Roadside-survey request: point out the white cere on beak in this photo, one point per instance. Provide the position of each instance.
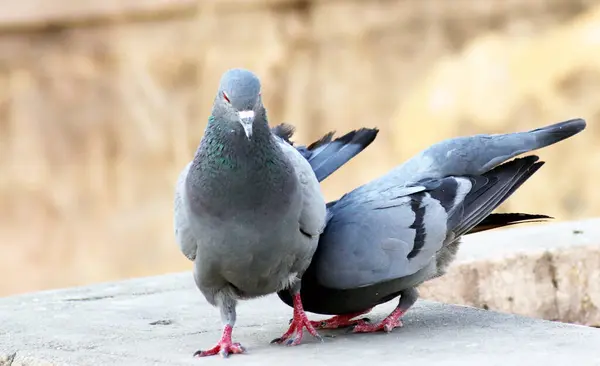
(246, 119)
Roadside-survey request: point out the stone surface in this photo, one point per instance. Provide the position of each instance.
(102, 102)
(163, 320)
(549, 271)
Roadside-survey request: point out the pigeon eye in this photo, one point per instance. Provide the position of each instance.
(226, 97)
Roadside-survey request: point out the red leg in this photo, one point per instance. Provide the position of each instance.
(407, 299)
(388, 324)
(225, 347)
(341, 321)
(293, 336)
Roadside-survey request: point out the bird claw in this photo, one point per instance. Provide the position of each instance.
(337, 322)
(386, 325)
(293, 336)
(223, 348)
(294, 339)
(287, 341)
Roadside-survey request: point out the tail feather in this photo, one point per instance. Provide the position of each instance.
(325, 155)
(328, 156)
(498, 220)
(478, 154)
(490, 190)
(552, 134)
(504, 147)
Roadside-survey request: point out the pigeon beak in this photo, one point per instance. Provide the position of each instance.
(246, 119)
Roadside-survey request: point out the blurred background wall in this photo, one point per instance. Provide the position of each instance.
(103, 102)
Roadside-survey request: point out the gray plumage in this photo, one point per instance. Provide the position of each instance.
(248, 208)
(388, 236)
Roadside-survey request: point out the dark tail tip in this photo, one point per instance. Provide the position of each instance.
(322, 141)
(498, 220)
(559, 131)
(328, 156)
(362, 136)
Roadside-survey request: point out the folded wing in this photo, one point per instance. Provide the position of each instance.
(396, 232)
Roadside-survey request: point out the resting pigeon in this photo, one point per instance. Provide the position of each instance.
(385, 238)
(248, 207)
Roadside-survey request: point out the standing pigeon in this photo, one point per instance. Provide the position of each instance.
(385, 238)
(249, 209)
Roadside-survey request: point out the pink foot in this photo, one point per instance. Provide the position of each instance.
(387, 325)
(293, 336)
(341, 321)
(224, 347)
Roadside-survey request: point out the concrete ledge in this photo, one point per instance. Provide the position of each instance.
(548, 271)
(163, 320)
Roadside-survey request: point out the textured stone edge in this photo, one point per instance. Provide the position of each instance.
(557, 282)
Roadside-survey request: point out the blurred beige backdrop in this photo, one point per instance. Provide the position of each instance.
(102, 103)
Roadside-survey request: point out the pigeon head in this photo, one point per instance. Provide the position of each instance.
(238, 100)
